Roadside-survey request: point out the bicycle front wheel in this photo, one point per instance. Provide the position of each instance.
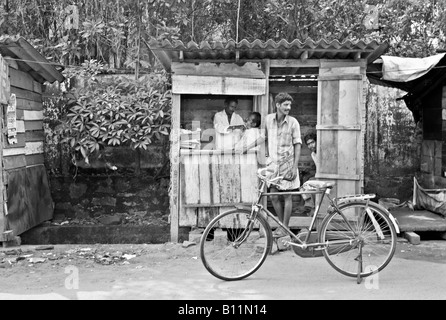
(233, 247)
(360, 239)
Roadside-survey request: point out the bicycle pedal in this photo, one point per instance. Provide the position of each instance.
(283, 243)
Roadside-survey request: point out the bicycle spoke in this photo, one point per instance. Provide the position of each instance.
(373, 234)
(239, 246)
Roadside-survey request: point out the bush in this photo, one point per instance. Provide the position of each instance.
(115, 111)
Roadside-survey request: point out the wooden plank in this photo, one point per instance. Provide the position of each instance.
(182, 84)
(188, 217)
(11, 62)
(29, 199)
(215, 177)
(329, 103)
(219, 205)
(175, 206)
(13, 152)
(20, 142)
(14, 162)
(205, 215)
(19, 114)
(337, 127)
(34, 159)
(340, 77)
(33, 125)
(339, 70)
(3, 174)
(4, 81)
(33, 147)
(191, 179)
(347, 155)
(33, 115)
(37, 87)
(276, 88)
(21, 80)
(247, 70)
(24, 104)
(205, 178)
(21, 126)
(248, 177)
(230, 179)
(328, 157)
(25, 94)
(348, 103)
(347, 187)
(335, 63)
(32, 136)
(294, 63)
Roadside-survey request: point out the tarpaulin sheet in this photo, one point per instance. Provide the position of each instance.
(429, 199)
(406, 69)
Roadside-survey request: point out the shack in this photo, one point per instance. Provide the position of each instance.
(327, 81)
(25, 198)
(424, 81)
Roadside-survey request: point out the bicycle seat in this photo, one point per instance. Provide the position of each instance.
(317, 184)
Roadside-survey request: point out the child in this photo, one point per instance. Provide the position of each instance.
(251, 134)
(310, 141)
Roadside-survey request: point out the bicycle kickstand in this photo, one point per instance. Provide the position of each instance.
(360, 267)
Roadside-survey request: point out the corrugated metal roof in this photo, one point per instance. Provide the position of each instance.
(29, 59)
(168, 52)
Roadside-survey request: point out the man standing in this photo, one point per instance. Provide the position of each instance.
(228, 125)
(283, 148)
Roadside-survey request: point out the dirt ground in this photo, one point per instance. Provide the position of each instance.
(40, 270)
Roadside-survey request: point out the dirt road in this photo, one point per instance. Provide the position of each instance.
(165, 271)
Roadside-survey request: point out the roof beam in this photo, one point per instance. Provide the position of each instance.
(294, 63)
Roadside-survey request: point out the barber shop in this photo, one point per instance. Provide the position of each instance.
(222, 94)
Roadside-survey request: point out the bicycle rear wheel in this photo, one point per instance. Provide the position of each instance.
(233, 247)
(363, 243)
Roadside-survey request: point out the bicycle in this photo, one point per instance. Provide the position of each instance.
(355, 231)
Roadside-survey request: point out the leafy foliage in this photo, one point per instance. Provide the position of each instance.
(111, 31)
(116, 33)
(112, 112)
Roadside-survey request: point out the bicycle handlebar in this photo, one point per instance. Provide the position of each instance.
(265, 178)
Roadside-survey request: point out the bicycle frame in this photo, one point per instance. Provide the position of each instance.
(302, 244)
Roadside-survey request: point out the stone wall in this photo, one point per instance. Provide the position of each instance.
(110, 199)
(392, 144)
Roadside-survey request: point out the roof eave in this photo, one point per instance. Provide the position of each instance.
(26, 53)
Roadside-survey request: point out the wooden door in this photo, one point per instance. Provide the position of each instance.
(340, 127)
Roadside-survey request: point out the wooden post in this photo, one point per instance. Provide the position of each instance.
(340, 126)
(2, 202)
(175, 169)
(4, 92)
(264, 108)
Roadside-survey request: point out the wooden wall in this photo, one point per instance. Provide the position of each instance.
(28, 198)
(341, 126)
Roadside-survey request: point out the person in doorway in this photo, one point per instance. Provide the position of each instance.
(283, 149)
(310, 140)
(228, 125)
